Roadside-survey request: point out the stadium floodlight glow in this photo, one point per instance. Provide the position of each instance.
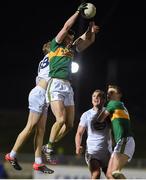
(74, 67)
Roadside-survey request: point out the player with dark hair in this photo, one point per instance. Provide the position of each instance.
(37, 117)
(60, 92)
(122, 134)
(98, 138)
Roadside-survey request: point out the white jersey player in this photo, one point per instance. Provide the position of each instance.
(43, 69)
(97, 143)
(39, 92)
(36, 119)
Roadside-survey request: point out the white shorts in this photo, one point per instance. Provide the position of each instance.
(60, 90)
(102, 157)
(125, 146)
(37, 100)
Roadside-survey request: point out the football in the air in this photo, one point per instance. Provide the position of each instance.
(90, 12)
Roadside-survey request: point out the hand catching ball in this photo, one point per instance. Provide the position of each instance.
(89, 12)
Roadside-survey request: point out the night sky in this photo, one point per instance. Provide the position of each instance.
(117, 56)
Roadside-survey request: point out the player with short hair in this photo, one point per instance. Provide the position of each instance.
(121, 127)
(60, 92)
(98, 138)
(37, 117)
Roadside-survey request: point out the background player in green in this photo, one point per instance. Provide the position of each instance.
(121, 128)
(60, 93)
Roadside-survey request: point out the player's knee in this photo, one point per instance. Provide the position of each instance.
(25, 133)
(29, 129)
(60, 121)
(60, 118)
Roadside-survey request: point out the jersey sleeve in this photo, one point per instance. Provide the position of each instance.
(112, 105)
(54, 45)
(83, 120)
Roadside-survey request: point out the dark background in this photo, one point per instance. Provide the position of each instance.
(118, 56)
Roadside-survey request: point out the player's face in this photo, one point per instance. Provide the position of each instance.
(96, 99)
(112, 94)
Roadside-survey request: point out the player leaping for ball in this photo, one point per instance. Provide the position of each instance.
(36, 119)
(60, 92)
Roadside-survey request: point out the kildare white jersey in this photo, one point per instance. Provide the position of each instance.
(43, 69)
(98, 139)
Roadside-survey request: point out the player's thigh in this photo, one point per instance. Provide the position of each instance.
(125, 148)
(121, 160)
(69, 96)
(37, 99)
(58, 109)
(42, 121)
(60, 90)
(110, 166)
(33, 119)
(55, 90)
(117, 162)
(70, 115)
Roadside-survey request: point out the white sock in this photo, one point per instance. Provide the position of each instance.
(38, 160)
(13, 154)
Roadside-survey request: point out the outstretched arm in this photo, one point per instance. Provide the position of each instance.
(78, 139)
(69, 23)
(87, 38)
(102, 116)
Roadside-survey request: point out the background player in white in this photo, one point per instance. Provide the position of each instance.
(37, 117)
(97, 144)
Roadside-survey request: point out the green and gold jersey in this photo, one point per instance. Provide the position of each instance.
(60, 61)
(120, 119)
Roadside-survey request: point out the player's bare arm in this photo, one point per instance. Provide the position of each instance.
(102, 117)
(78, 139)
(85, 40)
(99, 119)
(67, 26)
(69, 23)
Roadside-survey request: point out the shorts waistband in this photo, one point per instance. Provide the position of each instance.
(62, 80)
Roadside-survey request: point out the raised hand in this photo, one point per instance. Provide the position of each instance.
(82, 7)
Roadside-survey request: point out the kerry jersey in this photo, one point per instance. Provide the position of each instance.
(60, 59)
(120, 119)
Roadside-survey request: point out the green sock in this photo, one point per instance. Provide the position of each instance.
(50, 145)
